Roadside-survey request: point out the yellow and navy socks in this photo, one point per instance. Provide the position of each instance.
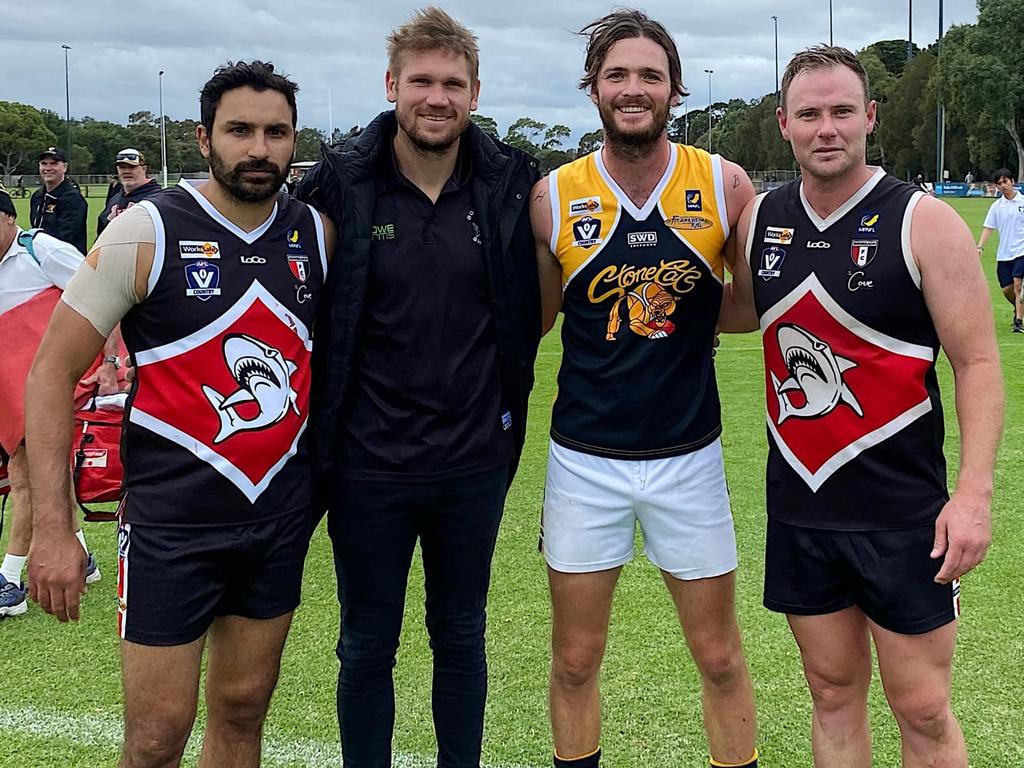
(751, 763)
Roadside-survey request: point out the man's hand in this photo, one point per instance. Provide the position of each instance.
(963, 531)
(56, 573)
(105, 378)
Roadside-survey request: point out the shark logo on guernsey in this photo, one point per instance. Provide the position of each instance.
(264, 380)
(815, 372)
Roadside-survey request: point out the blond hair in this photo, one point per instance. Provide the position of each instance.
(432, 29)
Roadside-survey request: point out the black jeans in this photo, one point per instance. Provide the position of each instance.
(374, 526)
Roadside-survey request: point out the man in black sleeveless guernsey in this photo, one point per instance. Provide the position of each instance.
(426, 344)
(630, 246)
(857, 280)
(215, 287)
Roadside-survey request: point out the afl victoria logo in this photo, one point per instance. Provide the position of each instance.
(586, 232)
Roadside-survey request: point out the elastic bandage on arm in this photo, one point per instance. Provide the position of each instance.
(104, 294)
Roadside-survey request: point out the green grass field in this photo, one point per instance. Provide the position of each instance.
(60, 695)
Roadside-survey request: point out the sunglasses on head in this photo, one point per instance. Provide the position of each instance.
(133, 156)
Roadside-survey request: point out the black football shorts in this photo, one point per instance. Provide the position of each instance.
(888, 574)
(173, 581)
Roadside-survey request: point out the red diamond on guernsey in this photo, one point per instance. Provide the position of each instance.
(235, 393)
(834, 386)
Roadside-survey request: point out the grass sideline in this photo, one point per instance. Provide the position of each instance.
(60, 701)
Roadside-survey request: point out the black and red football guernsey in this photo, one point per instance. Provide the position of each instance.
(853, 410)
(215, 427)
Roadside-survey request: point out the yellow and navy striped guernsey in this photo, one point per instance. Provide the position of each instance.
(641, 292)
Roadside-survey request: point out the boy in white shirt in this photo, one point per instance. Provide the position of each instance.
(1007, 217)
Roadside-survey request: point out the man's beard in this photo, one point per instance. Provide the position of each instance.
(634, 143)
(241, 189)
(428, 144)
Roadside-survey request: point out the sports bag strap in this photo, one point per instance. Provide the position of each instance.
(25, 241)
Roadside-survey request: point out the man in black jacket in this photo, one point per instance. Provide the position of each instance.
(427, 336)
(133, 187)
(58, 207)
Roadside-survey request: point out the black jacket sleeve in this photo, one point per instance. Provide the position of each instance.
(69, 224)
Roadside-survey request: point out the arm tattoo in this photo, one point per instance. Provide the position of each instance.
(735, 180)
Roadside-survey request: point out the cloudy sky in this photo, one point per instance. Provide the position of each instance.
(334, 49)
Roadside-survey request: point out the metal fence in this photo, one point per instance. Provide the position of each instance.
(92, 185)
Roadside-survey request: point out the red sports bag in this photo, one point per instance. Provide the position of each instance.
(96, 455)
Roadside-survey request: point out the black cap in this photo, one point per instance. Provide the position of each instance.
(55, 152)
(6, 204)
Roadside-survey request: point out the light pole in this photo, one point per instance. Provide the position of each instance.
(830, 23)
(910, 29)
(776, 20)
(710, 73)
(163, 130)
(67, 98)
(686, 123)
(940, 121)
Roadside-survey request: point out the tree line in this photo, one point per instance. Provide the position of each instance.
(976, 75)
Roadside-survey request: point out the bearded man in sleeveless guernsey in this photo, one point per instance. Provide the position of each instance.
(856, 281)
(216, 287)
(630, 243)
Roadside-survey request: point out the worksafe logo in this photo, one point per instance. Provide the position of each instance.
(585, 206)
(779, 235)
(199, 249)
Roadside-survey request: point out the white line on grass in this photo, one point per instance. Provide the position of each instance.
(105, 731)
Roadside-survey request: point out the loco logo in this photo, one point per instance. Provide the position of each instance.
(234, 393)
(835, 387)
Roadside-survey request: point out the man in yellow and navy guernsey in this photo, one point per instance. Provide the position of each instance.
(630, 243)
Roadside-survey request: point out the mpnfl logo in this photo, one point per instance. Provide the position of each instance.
(641, 239)
(694, 201)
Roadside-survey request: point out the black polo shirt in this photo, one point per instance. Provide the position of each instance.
(425, 398)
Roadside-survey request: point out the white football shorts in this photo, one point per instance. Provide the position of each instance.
(592, 505)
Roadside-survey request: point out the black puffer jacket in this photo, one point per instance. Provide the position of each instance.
(343, 186)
